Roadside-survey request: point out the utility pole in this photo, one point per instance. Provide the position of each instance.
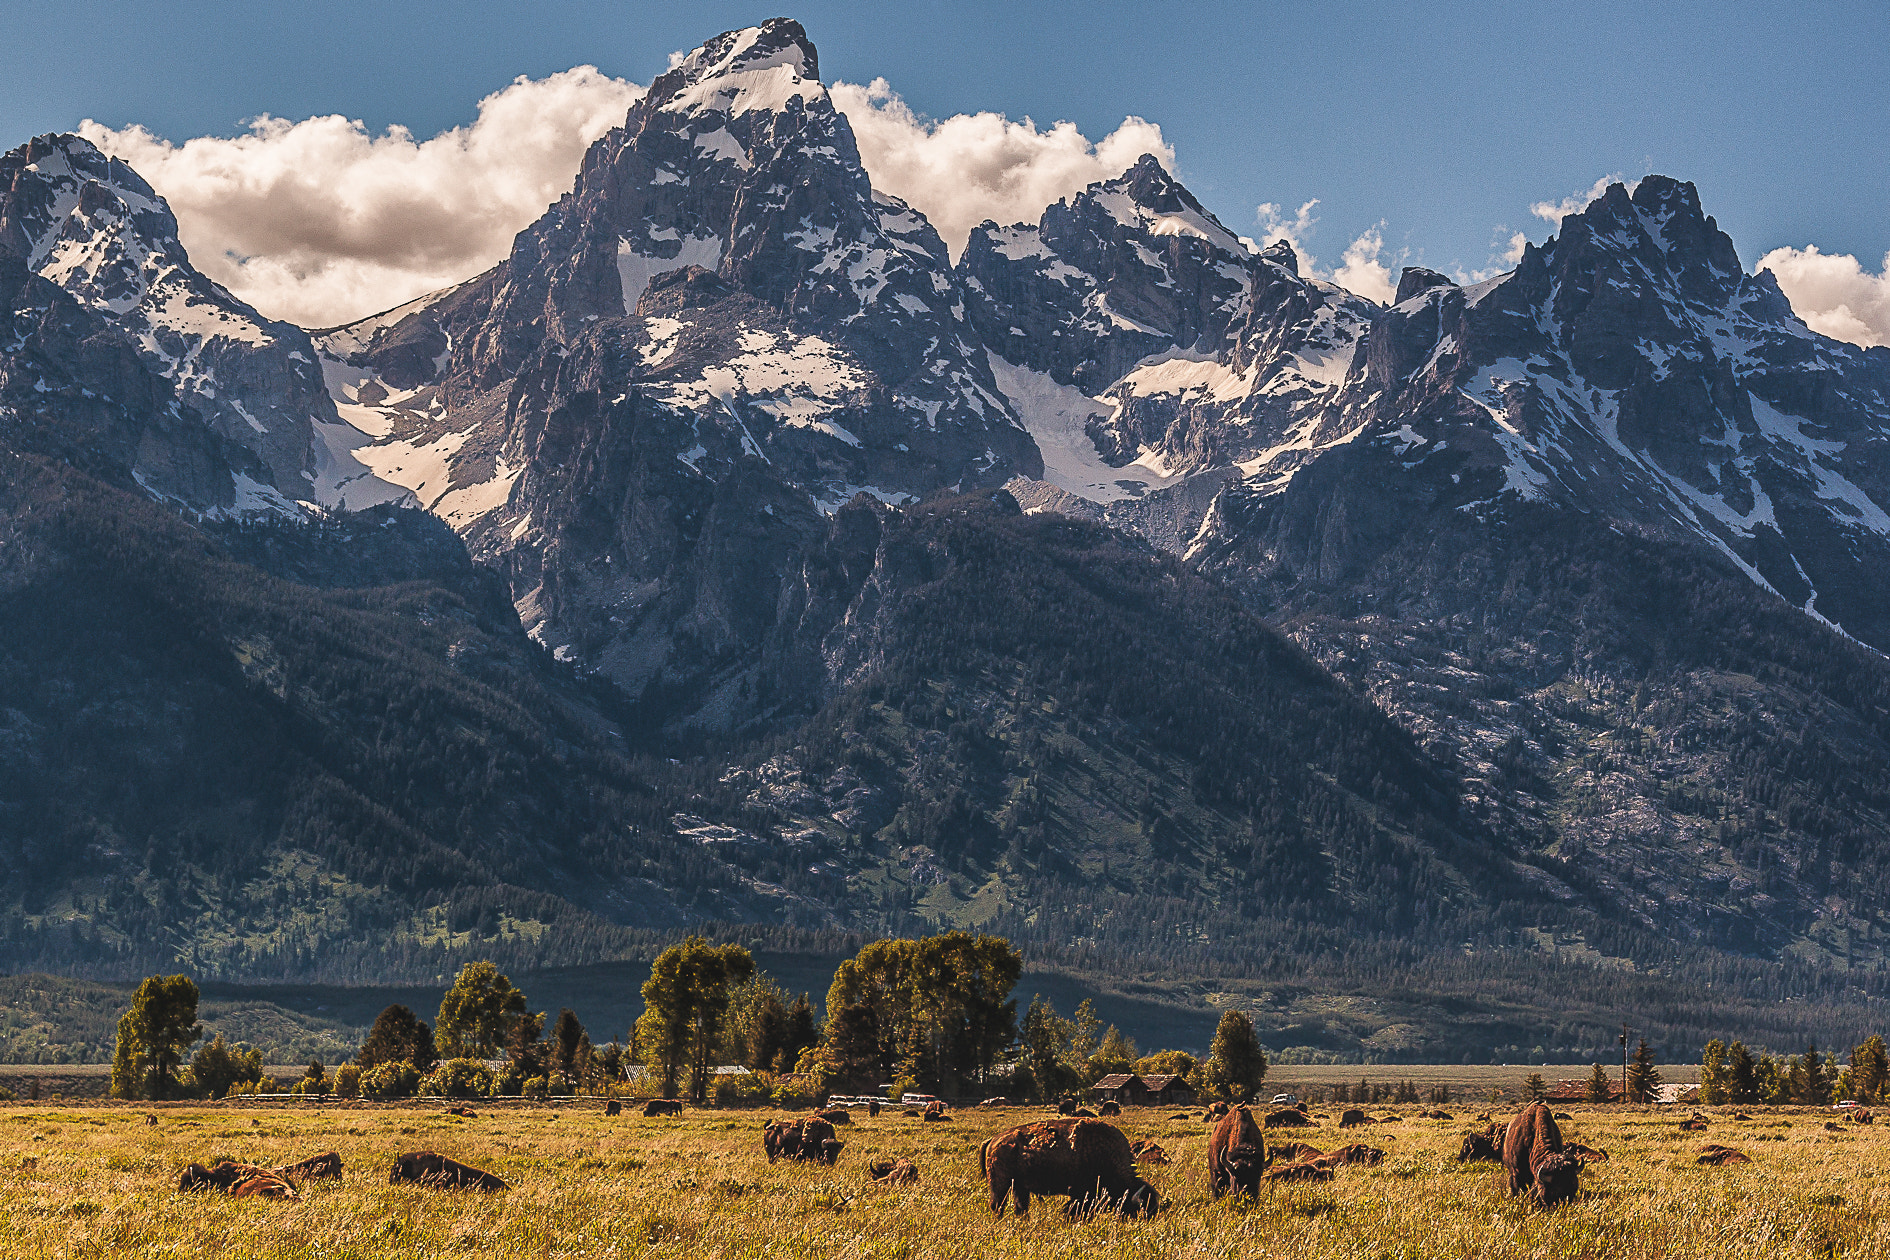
(1624, 1033)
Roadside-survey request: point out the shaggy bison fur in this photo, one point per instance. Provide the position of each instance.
(1298, 1172)
(430, 1168)
(613, 1108)
(1479, 1147)
(893, 1172)
(1148, 1152)
(663, 1107)
(809, 1139)
(1356, 1153)
(1287, 1118)
(1216, 1111)
(1087, 1159)
(225, 1175)
(1586, 1154)
(1533, 1154)
(1113, 1108)
(1237, 1155)
(314, 1168)
(264, 1186)
(936, 1111)
(836, 1115)
(1719, 1156)
(1353, 1116)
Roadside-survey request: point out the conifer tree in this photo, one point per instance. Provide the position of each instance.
(1642, 1080)
(1535, 1089)
(1599, 1090)
(1235, 1065)
(1742, 1075)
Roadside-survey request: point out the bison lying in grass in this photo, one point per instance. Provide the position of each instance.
(1716, 1156)
(1533, 1154)
(430, 1168)
(893, 1172)
(314, 1168)
(1237, 1155)
(1479, 1147)
(1087, 1159)
(808, 1139)
(241, 1181)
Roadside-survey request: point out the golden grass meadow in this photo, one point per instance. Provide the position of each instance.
(85, 1181)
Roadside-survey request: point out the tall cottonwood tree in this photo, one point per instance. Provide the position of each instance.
(153, 1034)
(1235, 1064)
(477, 1013)
(684, 1003)
(941, 1005)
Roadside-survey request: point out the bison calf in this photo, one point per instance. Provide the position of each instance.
(430, 1168)
(1533, 1154)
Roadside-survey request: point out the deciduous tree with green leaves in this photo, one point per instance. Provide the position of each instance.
(684, 1002)
(152, 1037)
(1713, 1073)
(477, 1013)
(398, 1036)
(1235, 1064)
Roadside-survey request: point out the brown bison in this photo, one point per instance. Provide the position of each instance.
(613, 1108)
(1146, 1151)
(1298, 1172)
(1215, 1111)
(1532, 1151)
(872, 1108)
(1114, 1108)
(936, 1111)
(1832, 1125)
(463, 1112)
(1287, 1118)
(1480, 1147)
(430, 1168)
(264, 1186)
(663, 1107)
(809, 1139)
(1298, 1153)
(314, 1168)
(1719, 1156)
(893, 1172)
(1693, 1124)
(1089, 1160)
(1356, 1153)
(1861, 1115)
(223, 1176)
(1351, 1117)
(835, 1115)
(1237, 1155)
(1586, 1154)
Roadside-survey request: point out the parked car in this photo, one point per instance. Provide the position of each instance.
(1286, 1100)
(917, 1100)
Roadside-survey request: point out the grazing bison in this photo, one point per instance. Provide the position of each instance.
(1693, 1124)
(1719, 1156)
(809, 1139)
(936, 1111)
(835, 1115)
(1237, 1155)
(1353, 1116)
(1298, 1172)
(1216, 1111)
(1861, 1115)
(1287, 1118)
(893, 1172)
(1480, 1147)
(314, 1168)
(1110, 1108)
(1586, 1154)
(430, 1168)
(150, 1120)
(613, 1108)
(1532, 1151)
(1067, 1107)
(1090, 1160)
(663, 1107)
(1141, 1201)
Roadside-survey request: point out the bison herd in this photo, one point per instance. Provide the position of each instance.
(1082, 1157)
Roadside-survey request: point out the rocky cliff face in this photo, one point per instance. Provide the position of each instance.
(91, 225)
(719, 335)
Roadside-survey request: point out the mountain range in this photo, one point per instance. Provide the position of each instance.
(729, 554)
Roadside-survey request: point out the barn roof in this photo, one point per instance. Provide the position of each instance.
(1115, 1080)
(1156, 1084)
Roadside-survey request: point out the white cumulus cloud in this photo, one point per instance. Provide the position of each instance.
(319, 222)
(962, 170)
(1275, 226)
(1362, 270)
(1556, 211)
(1834, 294)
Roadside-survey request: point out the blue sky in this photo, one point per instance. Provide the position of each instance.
(1445, 121)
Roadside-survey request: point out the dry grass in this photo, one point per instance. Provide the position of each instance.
(84, 1182)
